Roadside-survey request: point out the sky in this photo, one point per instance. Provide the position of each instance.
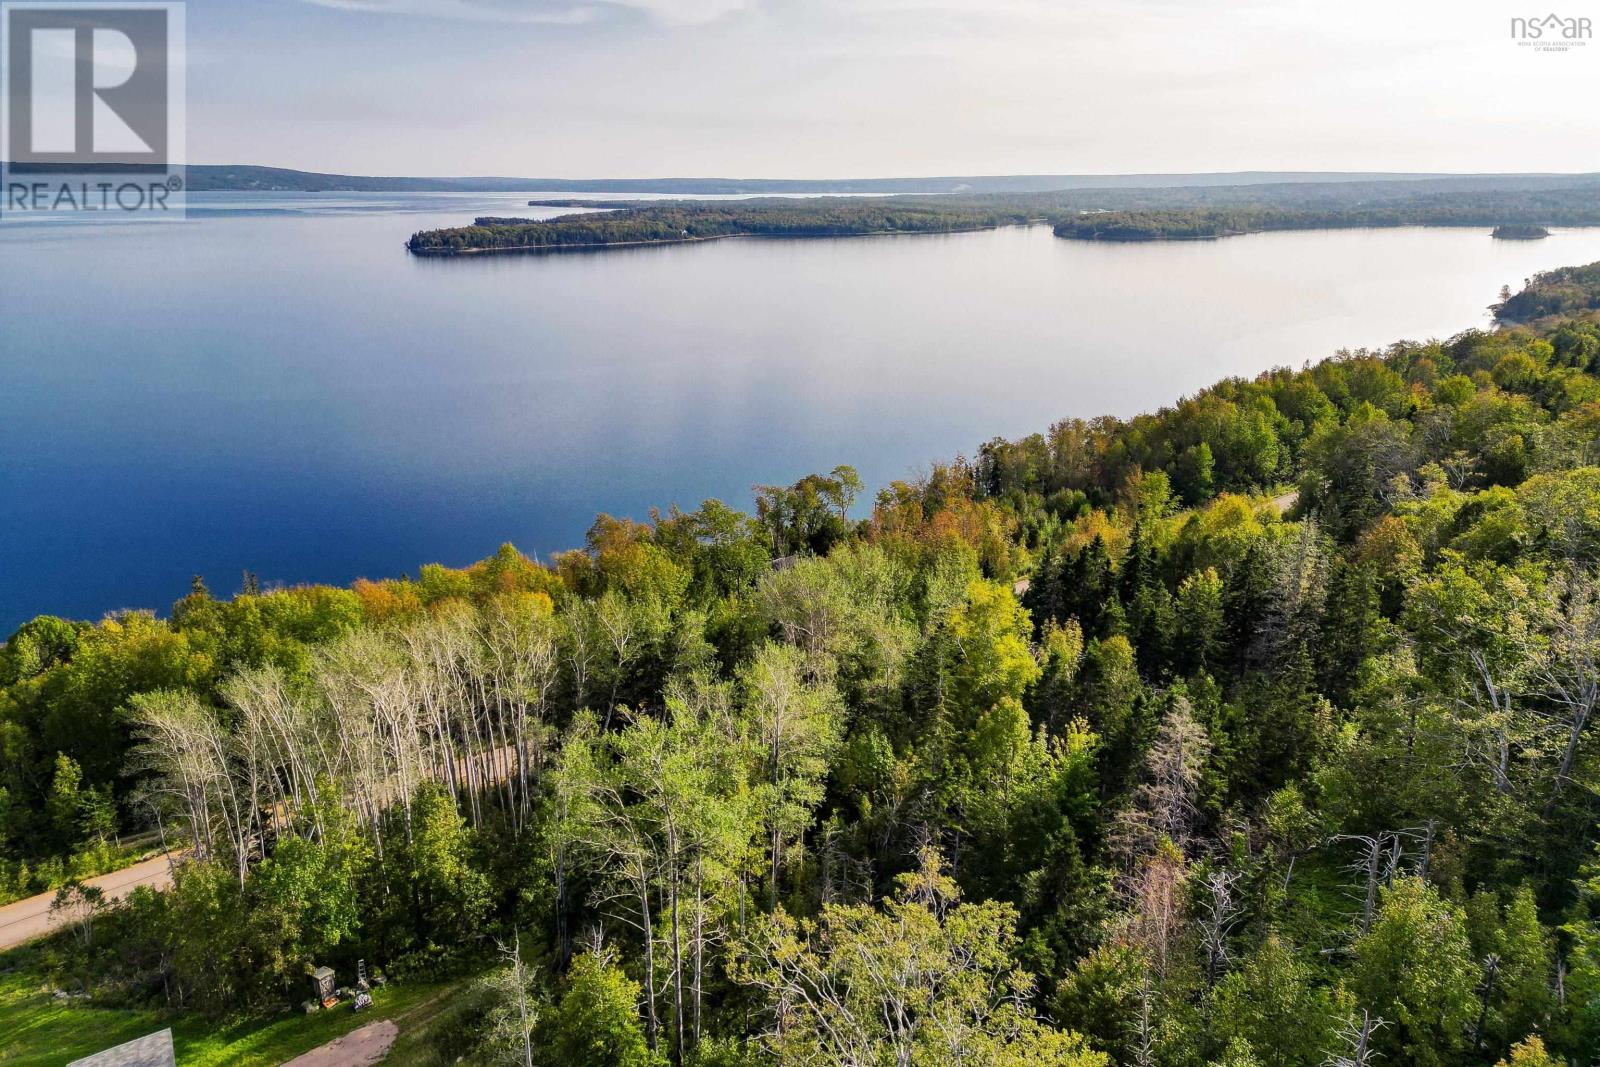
(870, 88)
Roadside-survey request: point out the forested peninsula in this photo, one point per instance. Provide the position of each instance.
(1088, 214)
(1257, 730)
(639, 224)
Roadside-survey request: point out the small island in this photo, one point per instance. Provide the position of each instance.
(1520, 232)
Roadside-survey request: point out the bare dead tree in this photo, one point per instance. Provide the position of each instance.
(1144, 1033)
(1151, 836)
(1355, 1037)
(513, 956)
(1220, 911)
(1381, 858)
(1164, 803)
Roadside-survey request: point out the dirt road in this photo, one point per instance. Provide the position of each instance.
(358, 1048)
(28, 919)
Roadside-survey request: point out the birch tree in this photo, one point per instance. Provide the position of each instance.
(796, 725)
(660, 813)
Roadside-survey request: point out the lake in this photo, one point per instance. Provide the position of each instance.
(277, 385)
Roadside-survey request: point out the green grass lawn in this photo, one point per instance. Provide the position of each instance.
(37, 1030)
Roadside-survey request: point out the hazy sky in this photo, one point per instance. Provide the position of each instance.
(833, 88)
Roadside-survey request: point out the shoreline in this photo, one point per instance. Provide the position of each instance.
(600, 246)
(1162, 238)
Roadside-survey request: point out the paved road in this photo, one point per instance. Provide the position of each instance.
(28, 919)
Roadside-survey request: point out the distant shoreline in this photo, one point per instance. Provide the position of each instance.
(601, 246)
(1124, 217)
(210, 177)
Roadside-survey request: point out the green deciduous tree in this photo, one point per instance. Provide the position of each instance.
(306, 898)
(596, 1022)
(1273, 1004)
(924, 980)
(63, 807)
(1414, 968)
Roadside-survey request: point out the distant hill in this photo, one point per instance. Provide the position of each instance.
(277, 179)
(244, 178)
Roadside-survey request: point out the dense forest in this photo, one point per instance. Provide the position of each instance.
(1569, 291)
(1120, 214)
(1256, 731)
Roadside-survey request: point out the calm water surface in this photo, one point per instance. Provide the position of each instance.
(276, 385)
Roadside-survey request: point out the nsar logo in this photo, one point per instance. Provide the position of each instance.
(1552, 33)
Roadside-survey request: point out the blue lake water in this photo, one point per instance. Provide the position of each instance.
(277, 385)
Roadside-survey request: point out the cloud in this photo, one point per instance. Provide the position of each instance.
(544, 12)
